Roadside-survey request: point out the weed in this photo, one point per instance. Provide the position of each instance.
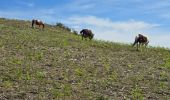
(137, 93)
(98, 69)
(79, 72)
(130, 66)
(40, 75)
(19, 73)
(102, 98)
(167, 64)
(7, 84)
(162, 85)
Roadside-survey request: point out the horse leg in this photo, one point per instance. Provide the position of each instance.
(137, 46)
(42, 26)
(32, 23)
(82, 37)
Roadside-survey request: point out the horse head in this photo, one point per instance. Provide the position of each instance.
(91, 36)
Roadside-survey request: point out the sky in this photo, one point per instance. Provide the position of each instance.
(109, 20)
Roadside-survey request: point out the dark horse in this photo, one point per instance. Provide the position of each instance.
(37, 22)
(141, 39)
(86, 33)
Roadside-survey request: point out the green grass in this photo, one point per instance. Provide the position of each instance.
(56, 64)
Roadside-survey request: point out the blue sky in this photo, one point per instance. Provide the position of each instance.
(113, 20)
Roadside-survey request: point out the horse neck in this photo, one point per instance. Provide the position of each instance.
(81, 31)
(136, 40)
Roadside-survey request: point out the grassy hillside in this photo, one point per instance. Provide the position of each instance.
(52, 63)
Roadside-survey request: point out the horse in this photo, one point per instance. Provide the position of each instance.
(37, 22)
(86, 33)
(141, 39)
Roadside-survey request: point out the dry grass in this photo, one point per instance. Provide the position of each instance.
(54, 64)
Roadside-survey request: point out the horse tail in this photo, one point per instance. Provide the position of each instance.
(147, 42)
(91, 34)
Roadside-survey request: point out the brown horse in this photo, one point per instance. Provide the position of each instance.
(141, 39)
(37, 22)
(86, 33)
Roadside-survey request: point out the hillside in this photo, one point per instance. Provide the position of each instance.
(56, 64)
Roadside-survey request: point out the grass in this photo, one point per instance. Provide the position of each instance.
(56, 64)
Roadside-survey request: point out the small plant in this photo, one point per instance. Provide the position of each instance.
(113, 76)
(57, 94)
(7, 84)
(1, 44)
(136, 93)
(107, 66)
(38, 56)
(163, 74)
(79, 72)
(102, 98)
(18, 47)
(167, 64)
(40, 75)
(130, 66)
(19, 73)
(162, 85)
(65, 43)
(28, 77)
(67, 90)
(16, 61)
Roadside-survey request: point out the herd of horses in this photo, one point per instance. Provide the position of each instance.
(86, 33)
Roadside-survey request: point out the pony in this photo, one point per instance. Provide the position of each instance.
(37, 22)
(141, 40)
(86, 33)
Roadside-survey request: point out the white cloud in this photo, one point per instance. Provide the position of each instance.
(120, 26)
(29, 4)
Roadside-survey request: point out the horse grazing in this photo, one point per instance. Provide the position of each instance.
(141, 39)
(86, 33)
(37, 22)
